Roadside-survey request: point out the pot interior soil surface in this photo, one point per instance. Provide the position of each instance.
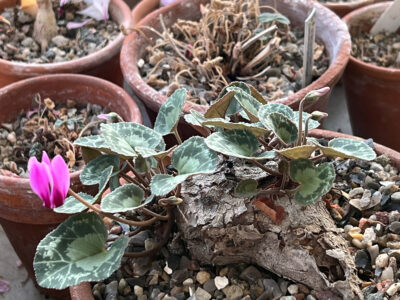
(382, 49)
(203, 56)
(364, 204)
(49, 127)
(17, 44)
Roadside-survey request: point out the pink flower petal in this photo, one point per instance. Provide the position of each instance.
(74, 25)
(40, 180)
(45, 158)
(61, 181)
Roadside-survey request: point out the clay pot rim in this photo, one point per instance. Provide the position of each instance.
(85, 62)
(133, 78)
(84, 288)
(131, 106)
(345, 5)
(392, 73)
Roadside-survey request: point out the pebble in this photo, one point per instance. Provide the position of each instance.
(288, 298)
(221, 282)
(387, 274)
(111, 290)
(393, 289)
(233, 292)
(201, 294)
(272, 286)
(251, 274)
(202, 277)
(210, 286)
(137, 290)
(373, 251)
(60, 41)
(395, 227)
(293, 289)
(395, 197)
(355, 192)
(382, 260)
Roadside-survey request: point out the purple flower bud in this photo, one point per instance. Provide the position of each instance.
(49, 179)
(316, 94)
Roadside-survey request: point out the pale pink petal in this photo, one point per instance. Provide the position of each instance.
(166, 2)
(40, 180)
(4, 286)
(45, 158)
(61, 181)
(98, 10)
(74, 25)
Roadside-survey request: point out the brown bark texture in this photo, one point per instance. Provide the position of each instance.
(221, 228)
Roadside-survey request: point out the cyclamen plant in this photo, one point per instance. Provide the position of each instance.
(240, 124)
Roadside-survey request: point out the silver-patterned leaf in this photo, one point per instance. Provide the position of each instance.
(270, 17)
(124, 198)
(249, 104)
(168, 115)
(73, 206)
(93, 170)
(117, 143)
(246, 187)
(75, 252)
(349, 148)
(190, 158)
(252, 127)
(269, 108)
(314, 181)
(237, 143)
(96, 142)
(282, 126)
(312, 124)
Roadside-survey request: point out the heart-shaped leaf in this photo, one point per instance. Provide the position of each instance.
(282, 126)
(124, 198)
(219, 108)
(270, 17)
(123, 137)
(93, 170)
(168, 115)
(252, 127)
(96, 142)
(304, 151)
(190, 158)
(75, 252)
(237, 143)
(257, 95)
(73, 206)
(246, 187)
(312, 124)
(147, 152)
(104, 178)
(249, 104)
(348, 148)
(269, 108)
(314, 181)
(194, 118)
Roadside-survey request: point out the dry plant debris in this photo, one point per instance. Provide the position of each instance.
(382, 49)
(232, 41)
(47, 127)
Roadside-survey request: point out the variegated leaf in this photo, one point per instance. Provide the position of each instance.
(168, 115)
(93, 170)
(348, 148)
(75, 252)
(246, 187)
(220, 107)
(269, 108)
(252, 127)
(312, 124)
(283, 127)
(190, 158)
(237, 143)
(124, 198)
(304, 151)
(73, 206)
(314, 181)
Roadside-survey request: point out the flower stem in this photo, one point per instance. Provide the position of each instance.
(137, 174)
(266, 169)
(300, 121)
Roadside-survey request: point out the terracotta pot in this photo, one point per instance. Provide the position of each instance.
(372, 92)
(83, 291)
(144, 8)
(22, 215)
(343, 8)
(330, 30)
(103, 63)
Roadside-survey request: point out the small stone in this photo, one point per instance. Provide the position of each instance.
(221, 282)
(355, 192)
(376, 167)
(201, 294)
(233, 292)
(142, 297)
(11, 137)
(251, 274)
(116, 229)
(180, 276)
(137, 290)
(272, 286)
(184, 262)
(25, 18)
(188, 282)
(155, 294)
(210, 286)
(393, 289)
(369, 235)
(310, 297)
(122, 285)
(283, 285)
(373, 253)
(202, 277)
(60, 41)
(387, 274)
(167, 269)
(140, 63)
(224, 271)
(288, 298)
(28, 42)
(382, 260)
(174, 262)
(361, 259)
(293, 289)
(168, 297)
(395, 197)
(357, 243)
(111, 290)
(395, 227)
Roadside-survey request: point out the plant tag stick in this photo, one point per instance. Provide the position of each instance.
(389, 21)
(309, 38)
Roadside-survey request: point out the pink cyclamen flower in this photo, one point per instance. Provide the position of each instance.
(49, 179)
